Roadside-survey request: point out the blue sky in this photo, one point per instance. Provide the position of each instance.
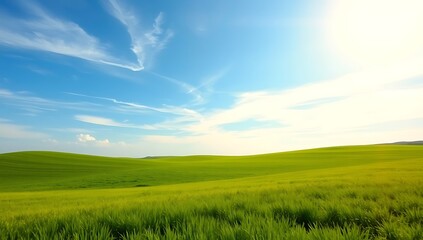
(138, 78)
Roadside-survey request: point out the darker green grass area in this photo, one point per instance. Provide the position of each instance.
(27, 171)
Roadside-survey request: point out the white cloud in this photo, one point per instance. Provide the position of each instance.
(356, 99)
(154, 36)
(100, 121)
(105, 141)
(45, 32)
(144, 44)
(110, 122)
(87, 138)
(342, 111)
(374, 106)
(175, 124)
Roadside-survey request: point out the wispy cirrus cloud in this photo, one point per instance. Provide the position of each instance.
(379, 105)
(206, 87)
(199, 92)
(175, 125)
(186, 87)
(44, 32)
(180, 116)
(339, 111)
(208, 82)
(130, 107)
(347, 102)
(33, 105)
(101, 121)
(144, 43)
(348, 110)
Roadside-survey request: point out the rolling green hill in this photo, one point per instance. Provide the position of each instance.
(24, 171)
(354, 192)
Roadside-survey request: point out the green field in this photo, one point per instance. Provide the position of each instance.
(356, 192)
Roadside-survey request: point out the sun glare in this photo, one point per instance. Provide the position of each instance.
(376, 31)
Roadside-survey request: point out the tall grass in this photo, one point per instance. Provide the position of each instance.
(373, 201)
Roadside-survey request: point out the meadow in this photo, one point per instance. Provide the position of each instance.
(353, 192)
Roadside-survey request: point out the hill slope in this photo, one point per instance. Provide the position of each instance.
(23, 171)
(360, 192)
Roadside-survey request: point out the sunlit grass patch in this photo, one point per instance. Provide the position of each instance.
(378, 200)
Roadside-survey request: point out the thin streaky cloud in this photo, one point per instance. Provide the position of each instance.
(188, 89)
(71, 130)
(107, 122)
(208, 82)
(33, 104)
(334, 120)
(206, 86)
(153, 36)
(135, 107)
(45, 32)
(144, 44)
(368, 89)
(99, 121)
(200, 92)
(176, 125)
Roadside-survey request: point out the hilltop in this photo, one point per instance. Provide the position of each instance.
(24, 171)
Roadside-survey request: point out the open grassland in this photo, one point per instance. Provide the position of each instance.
(28, 171)
(361, 192)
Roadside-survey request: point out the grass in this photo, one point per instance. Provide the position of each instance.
(362, 192)
(28, 171)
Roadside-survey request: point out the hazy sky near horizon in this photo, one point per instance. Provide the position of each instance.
(137, 78)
